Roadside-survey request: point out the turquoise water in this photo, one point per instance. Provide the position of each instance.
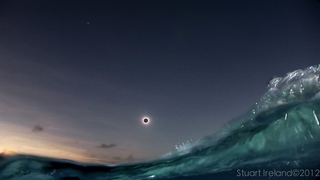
(281, 131)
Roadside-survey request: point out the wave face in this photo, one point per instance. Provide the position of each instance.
(281, 130)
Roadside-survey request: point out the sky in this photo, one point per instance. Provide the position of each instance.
(77, 77)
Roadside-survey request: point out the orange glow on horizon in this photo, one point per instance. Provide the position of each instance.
(19, 140)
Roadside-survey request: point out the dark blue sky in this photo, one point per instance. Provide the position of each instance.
(86, 72)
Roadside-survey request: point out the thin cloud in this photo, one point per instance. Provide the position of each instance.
(37, 128)
(106, 146)
(127, 159)
(117, 158)
(130, 158)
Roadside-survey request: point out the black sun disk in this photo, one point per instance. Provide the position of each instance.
(145, 120)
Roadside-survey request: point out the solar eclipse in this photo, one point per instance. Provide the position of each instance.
(145, 120)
